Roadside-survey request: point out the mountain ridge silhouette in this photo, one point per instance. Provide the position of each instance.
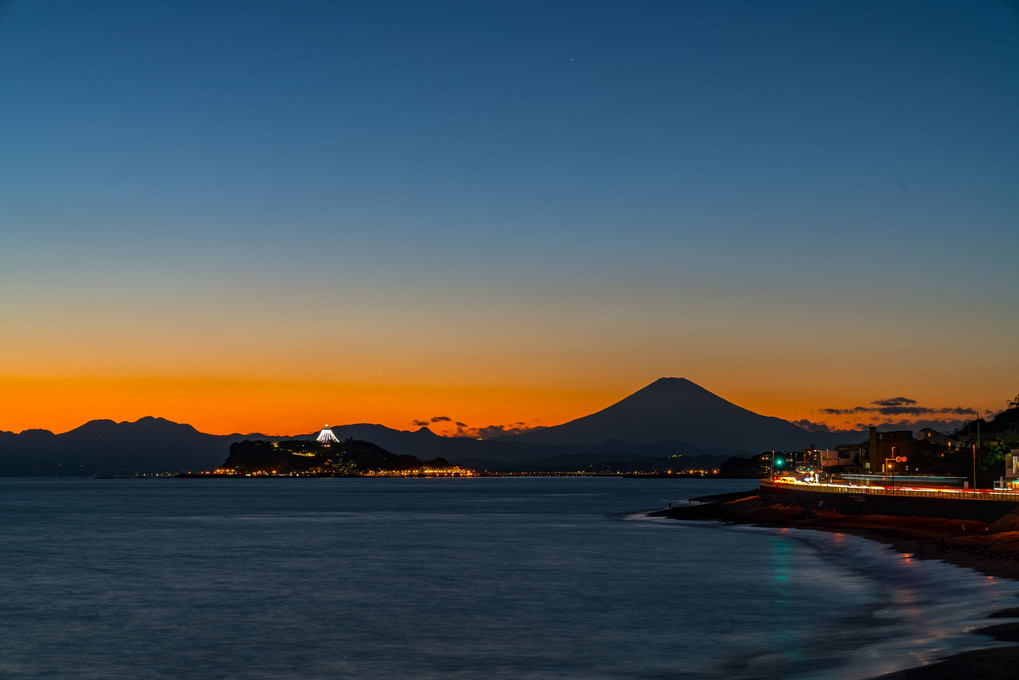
(668, 416)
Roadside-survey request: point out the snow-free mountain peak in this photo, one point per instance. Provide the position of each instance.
(679, 410)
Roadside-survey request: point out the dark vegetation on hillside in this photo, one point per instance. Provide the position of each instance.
(993, 438)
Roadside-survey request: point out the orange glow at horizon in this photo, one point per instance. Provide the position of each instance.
(274, 407)
(282, 407)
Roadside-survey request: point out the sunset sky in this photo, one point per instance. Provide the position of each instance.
(267, 216)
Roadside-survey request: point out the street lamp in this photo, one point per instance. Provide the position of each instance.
(890, 466)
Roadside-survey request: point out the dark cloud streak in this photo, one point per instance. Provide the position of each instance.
(811, 426)
(895, 401)
(497, 430)
(465, 430)
(900, 406)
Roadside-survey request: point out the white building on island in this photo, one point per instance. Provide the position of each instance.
(326, 436)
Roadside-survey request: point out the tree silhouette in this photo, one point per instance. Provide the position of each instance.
(1014, 403)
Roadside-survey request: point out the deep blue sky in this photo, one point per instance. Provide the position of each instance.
(525, 195)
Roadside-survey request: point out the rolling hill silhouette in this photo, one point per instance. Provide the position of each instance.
(669, 416)
(106, 447)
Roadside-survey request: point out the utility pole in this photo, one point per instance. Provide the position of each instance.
(974, 466)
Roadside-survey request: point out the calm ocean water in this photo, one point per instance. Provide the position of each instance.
(460, 578)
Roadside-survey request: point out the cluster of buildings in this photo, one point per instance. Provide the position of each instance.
(901, 454)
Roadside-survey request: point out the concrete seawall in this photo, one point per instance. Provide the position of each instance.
(861, 502)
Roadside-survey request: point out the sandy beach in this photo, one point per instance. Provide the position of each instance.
(992, 549)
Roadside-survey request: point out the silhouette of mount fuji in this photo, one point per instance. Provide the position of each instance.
(676, 409)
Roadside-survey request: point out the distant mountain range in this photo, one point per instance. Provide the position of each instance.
(105, 447)
(668, 418)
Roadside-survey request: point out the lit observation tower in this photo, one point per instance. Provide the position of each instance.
(326, 436)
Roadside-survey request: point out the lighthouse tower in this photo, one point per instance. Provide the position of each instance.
(326, 436)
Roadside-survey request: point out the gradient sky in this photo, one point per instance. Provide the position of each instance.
(263, 216)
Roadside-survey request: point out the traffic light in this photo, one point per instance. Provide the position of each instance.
(779, 462)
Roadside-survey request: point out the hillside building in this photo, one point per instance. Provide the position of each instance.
(884, 447)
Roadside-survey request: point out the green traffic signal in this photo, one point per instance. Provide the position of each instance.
(778, 462)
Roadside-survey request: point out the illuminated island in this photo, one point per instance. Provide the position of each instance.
(327, 456)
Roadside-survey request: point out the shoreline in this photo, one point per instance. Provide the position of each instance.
(992, 550)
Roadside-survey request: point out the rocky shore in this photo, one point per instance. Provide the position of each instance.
(991, 548)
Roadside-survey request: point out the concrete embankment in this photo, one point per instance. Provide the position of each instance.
(947, 505)
(704, 507)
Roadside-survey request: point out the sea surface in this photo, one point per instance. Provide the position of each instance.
(451, 578)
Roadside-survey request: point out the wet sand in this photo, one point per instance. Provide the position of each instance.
(992, 549)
